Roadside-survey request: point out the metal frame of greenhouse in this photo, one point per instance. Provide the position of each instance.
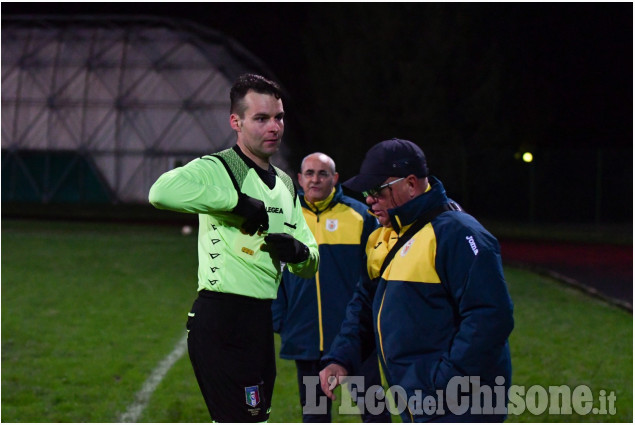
(94, 109)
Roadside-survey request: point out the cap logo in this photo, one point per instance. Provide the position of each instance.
(401, 163)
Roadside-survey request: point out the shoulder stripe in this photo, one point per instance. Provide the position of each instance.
(287, 182)
(229, 171)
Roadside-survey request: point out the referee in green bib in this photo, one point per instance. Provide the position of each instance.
(251, 226)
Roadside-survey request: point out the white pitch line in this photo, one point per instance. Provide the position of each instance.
(143, 396)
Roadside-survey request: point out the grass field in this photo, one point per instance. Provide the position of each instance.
(90, 310)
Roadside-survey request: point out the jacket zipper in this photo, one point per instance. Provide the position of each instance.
(381, 341)
(319, 301)
(319, 292)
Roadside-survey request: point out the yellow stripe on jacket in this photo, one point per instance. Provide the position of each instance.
(340, 225)
(415, 261)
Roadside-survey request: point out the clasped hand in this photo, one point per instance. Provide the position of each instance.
(254, 212)
(287, 248)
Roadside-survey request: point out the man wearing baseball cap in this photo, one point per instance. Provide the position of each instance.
(435, 301)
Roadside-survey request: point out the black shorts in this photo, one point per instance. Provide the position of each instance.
(230, 343)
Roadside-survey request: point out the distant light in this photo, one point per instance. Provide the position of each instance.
(528, 157)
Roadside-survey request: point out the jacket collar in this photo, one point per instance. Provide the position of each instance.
(320, 207)
(408, 213)
(250, 163)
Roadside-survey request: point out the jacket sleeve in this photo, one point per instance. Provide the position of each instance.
(470, 266)
(308, 267)
(279, 306)
(370, 225)
(356, 338)
(202, 186)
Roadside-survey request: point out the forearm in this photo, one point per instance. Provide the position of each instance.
(486, 321)
(307, 268)
(182, 191)
(356, 338)
(473, 353)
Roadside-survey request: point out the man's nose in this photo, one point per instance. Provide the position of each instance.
(275, 126)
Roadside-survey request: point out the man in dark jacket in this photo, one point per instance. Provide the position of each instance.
(308, 312)
(435, 299)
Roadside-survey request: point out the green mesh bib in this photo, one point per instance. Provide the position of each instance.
(237, 170)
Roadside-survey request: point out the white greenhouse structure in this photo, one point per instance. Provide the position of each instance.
(95, 109)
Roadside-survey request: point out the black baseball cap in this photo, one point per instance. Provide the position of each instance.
(390, 158)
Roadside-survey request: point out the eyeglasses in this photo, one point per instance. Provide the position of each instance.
(374, 193)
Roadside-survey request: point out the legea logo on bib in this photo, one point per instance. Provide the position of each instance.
(331, 224)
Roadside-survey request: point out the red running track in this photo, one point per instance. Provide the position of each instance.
(607, 269)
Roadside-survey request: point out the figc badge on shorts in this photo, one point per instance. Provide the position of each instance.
(252, 396)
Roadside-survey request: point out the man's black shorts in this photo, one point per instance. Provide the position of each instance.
(230, 343)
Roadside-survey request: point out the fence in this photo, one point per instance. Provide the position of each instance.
(559, 185)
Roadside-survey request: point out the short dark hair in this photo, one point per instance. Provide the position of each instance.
(247, 82)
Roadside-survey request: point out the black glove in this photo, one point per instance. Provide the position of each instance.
(254, 212)
(287, 248)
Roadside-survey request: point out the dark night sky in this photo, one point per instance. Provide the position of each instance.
(471, 83)
(580, 54)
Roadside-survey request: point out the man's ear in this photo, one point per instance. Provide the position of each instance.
(413, 184)
(336, 177)
(234, 121)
